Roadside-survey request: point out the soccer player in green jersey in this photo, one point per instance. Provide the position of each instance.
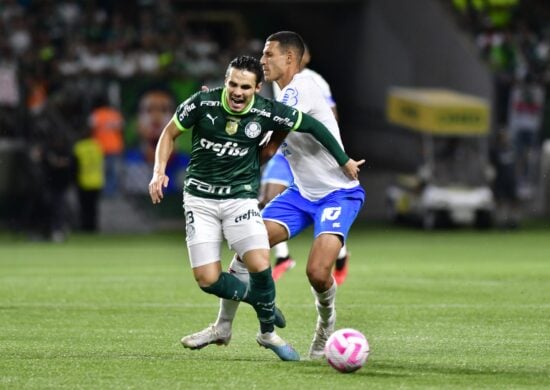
(222, 183)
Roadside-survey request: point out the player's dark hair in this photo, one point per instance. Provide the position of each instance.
(289, 40)
(250, 64)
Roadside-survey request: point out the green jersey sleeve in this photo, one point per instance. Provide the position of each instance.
(186, 114)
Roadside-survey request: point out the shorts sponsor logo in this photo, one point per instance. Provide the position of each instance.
(251, 213)
(253, 130)
(229, 148)
(331, 213)
(207, 187)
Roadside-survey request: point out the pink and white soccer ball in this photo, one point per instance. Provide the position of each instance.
(347, 350)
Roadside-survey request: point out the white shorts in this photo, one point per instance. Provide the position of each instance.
(209, 221)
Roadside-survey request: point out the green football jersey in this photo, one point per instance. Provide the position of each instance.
(225, 153)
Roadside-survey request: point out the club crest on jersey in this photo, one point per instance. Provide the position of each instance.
(253, 130)
(232, 125)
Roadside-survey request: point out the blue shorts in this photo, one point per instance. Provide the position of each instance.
(333, 214)
(278, 171)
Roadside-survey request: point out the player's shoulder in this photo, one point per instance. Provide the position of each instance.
(317, 79)
(199, 102)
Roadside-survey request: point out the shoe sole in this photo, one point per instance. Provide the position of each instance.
(218, 342)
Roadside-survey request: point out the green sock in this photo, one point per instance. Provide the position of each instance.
(228, 287)
(262, 298)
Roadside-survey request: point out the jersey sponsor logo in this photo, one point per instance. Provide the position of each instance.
(290, 98)
(207, 187)
(210, 103)
(284, 149)
(283, 121)
(253, 130)
(232, 125)
(251, 213)
(229, 148)
(331, 213)
(186, 109)
(260, 112)
(211, 118)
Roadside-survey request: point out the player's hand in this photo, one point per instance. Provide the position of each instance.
(205, 88)
(351, 169)
(157, 183)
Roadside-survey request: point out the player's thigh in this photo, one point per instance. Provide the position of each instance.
(243, 226)
(203, 230)
(289, 210)
(323, 253)
(277, 171)
(336, 212)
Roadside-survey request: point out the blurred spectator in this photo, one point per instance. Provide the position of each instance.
(156, 107)
(49, 171)
(503, 158)
(107, 124)
(90, 179)
(525, 119)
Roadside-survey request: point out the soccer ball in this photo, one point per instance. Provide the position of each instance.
(347, 350)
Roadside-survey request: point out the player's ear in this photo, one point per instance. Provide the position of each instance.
(258, 87)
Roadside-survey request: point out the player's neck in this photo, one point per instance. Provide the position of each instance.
(286, 79)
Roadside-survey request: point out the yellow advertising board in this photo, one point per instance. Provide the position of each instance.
(438, 111)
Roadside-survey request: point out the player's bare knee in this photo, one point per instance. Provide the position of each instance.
(319, 278)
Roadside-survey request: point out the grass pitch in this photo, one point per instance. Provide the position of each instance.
(456, 309)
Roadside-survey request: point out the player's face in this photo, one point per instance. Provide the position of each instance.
(240, 86)
(155, 110)
(274, 61)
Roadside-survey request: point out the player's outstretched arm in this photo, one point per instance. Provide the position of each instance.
(351, 168)
(164, 149)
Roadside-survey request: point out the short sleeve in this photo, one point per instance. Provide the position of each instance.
(187, 112)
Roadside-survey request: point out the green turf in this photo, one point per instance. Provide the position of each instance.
(456, 309)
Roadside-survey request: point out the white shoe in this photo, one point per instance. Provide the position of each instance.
(281, 348)
(207, 336)
(322, 333)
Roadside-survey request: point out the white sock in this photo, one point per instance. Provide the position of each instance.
(325, 303)
(281, 250)
(343, 252)
(228, 307)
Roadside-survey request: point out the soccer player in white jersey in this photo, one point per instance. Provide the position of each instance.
(322, 197)
(277, 177)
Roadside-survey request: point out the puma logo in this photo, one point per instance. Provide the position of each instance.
(211, 118)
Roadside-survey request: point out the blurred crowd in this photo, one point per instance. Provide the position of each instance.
(62, 65)
(69, 49)
(513, 37)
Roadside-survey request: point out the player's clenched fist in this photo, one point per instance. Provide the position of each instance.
(157, 183)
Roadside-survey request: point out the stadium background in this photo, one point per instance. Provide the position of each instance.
(361, 47)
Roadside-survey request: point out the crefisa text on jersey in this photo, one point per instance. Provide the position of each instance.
(231, 148)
